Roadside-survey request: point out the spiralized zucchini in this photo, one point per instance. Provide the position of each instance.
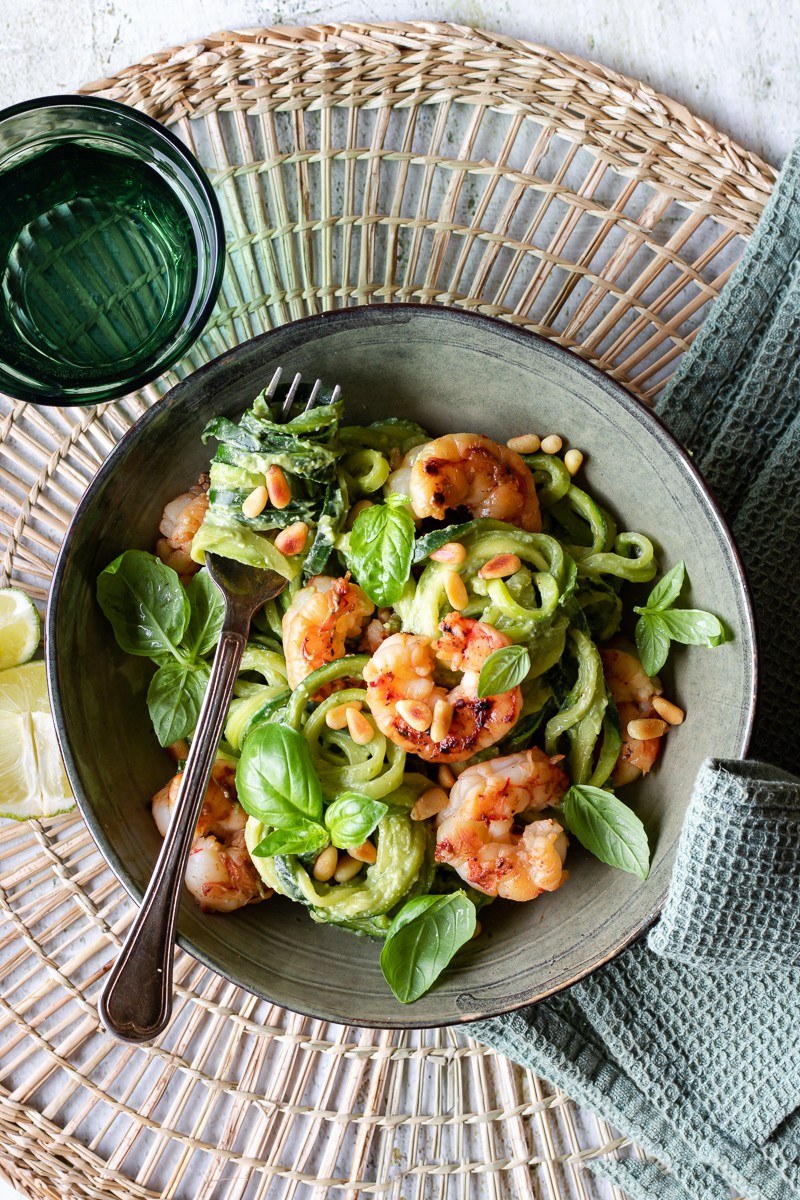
(402, 847)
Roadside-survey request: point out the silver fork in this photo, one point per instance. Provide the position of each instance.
(136, 1004)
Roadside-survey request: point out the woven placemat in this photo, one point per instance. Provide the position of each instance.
(355, 163)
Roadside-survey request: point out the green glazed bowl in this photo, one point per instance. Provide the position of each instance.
(450, 371)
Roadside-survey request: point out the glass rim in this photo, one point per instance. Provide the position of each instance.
(70, 398)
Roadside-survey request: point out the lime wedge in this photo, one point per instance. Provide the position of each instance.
(33, 782)
(19, 628)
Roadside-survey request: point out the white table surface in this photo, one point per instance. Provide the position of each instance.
(733, 62)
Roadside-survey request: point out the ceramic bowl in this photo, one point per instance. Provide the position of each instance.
(449, 370)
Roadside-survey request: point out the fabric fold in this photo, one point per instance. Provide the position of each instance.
(734, 900)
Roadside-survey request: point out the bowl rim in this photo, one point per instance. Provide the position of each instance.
(186, 334)
(223, 362)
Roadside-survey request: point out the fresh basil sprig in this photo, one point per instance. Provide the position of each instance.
(153, 616)
(277, 784)
(352, 818)
(302, 837)
(503, 670)
(381, 548)
(422, 940)
(174, 698)
(607, 828)
(275, 778)
(659, 623)
(145, 603)
(207, 612)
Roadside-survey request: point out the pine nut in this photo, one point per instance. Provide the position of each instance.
(454, 590)
(478, 930)
(500, 567)
(357, 508)
(573, 460)
(646, 728)
(416, 714)
(336, 718)
(552, 444)
(429, 804)
(292, 539)
(526, 443)
(450, 552)
(255, 503)
(395, 458)
(326, 863)
(278, 487)
(445, 775)
(669, 711)
(347, 869)
(442, 720)
(360, 729)
(365, 853)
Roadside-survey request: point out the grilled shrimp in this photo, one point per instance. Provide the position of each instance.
(475, 832)
(220, 873)
(321, 617)
(633, 691)
(222, 877)
(469, 470)
(401, 669)
(180, 521)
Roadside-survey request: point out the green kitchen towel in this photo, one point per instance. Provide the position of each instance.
(690, 1043)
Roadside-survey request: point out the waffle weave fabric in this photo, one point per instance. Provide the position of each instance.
(690, 1043)
(743, 831)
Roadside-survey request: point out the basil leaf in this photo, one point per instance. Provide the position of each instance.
(694, 627)
(174, 698)
(275, 778)
(503, 670)
(668, 589)
(421, 941)
(607, 828)
(352, 818)
(145, 603)
(303, 837)
(206, 616)
(652, 641)
(381, 547)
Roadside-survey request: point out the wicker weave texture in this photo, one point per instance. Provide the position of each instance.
(355, 164)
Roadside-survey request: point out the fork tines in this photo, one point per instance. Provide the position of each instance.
(312, 401)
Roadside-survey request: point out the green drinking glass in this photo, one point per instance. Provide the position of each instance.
(112, 249)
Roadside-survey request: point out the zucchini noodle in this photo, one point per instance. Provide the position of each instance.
(373, 770)
(584, 694)
(366, 469)
(552, 478)
(349, 667)
(633, 559)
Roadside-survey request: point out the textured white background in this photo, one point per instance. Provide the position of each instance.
(733, 62)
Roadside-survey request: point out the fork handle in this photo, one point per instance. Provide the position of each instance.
(136, 1003)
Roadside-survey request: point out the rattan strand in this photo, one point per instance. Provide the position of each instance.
(356, 164)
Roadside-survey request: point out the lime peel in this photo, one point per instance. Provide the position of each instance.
(20, 628)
